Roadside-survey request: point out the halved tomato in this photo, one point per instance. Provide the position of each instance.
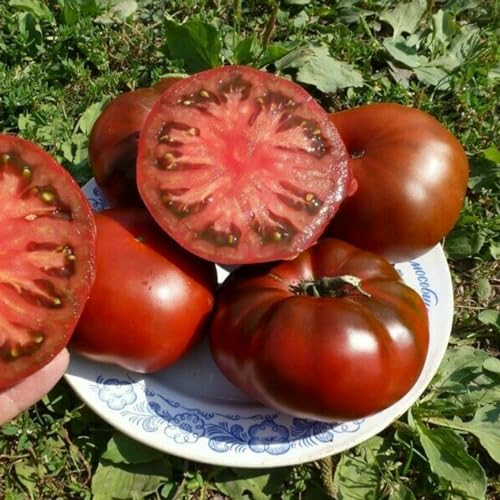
(47, 234)
(240, 166)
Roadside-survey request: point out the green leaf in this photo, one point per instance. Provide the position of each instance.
(492, 365)
(458, 6)
(448, 458)
(484, 289)
(404, 18)
(35, 7)
(301, 20)
(459, 366)
(195, 42)
(30, 28)
(494, 73)
(119, 11)
(130, 481)
(89, 116)
(433, 76)
(490, 317)
(26, 475)
(261, 484)
(399, 491)
(347, 12)
(485, 171)
(247, 50)
(444, 28)
(123, 450)
(485, 426)
(462, 243)
(495, 250)
(274, 52)
(403, 53)
(297, 2)
(459, 50)
(357, 475)
(315, 66)
(73, 10)
(492, 154)
(400, 75)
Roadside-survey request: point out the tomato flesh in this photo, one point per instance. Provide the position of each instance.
(46, 260)
(241, 166)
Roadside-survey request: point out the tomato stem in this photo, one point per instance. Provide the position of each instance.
(335, 286)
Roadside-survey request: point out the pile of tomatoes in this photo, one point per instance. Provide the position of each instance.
(237, 167)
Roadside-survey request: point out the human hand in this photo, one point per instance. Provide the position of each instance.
(21, 396)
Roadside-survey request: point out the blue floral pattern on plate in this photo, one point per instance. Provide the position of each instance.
(259, 433)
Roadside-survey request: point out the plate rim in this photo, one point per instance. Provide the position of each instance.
(307, 454)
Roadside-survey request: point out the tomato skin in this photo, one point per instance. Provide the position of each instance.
(113, 142)
(325, 358)
(47, 259)
(150, 299)
(412, 177)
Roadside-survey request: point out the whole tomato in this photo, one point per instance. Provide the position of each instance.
(331, 335)
(150, 299)
(114, 138)
(412, 176)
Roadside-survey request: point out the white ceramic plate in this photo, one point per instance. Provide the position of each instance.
(192, 411)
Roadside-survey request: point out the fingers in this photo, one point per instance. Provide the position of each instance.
(21, 396)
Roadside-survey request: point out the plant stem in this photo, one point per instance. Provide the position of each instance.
(270, 25)
(326, 473)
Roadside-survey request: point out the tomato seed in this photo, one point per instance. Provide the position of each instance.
(221, 238)
(47, 196)
(15, 352)
(37, 337)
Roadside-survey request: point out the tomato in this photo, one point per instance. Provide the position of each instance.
(412, 176)
(47, 256)
(240, 166)
(113, 142)
(150, 299)
(331, 335)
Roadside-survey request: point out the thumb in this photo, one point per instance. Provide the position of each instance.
(21, 396)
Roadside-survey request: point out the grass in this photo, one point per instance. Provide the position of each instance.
(61, 60)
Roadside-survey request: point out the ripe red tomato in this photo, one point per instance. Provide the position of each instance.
(303, 337)
(240, 166)
(150, 299)
(113, 142)
(412, 176)
(47, 232)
